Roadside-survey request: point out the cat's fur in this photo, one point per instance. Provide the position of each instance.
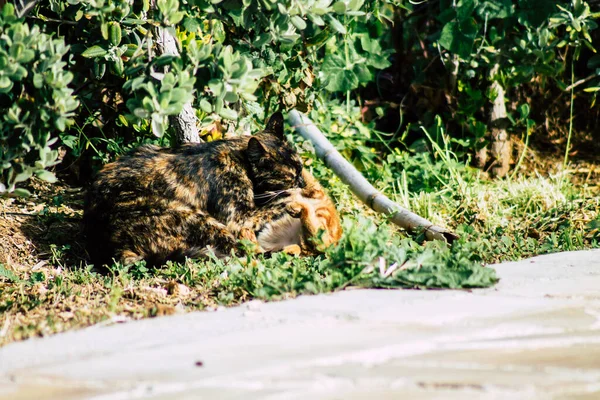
(310, 226)
(159, 203)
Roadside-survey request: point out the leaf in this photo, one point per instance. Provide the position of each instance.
(316, 19)
(495, 9)
(342, 81)
(465, 9)
(362, 73)
(104, 30)
(298, 22)
(231, 97)
(216, 86)
(191, 24)
(115, 33)
(21, 192)
(206, 106)
(8, 274)
(94, 51)
(228, 113)
(130, 49)
(336, 25)
(46, 176)
(5, 84)
(459, 37)
(339, 7)
(158, 125)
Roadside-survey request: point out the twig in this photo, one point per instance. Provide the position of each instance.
(360, 186)
(580, 82)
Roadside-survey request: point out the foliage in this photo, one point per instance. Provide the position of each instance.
(35, 101)
(241, 59)
(525, 46)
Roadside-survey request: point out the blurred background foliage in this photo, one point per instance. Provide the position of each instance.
(81, 80)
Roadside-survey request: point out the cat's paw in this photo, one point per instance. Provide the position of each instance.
(128, 257)
(248, 234)
(292, 249)
(294, 209)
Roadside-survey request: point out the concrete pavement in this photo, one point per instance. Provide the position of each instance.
(536, 335)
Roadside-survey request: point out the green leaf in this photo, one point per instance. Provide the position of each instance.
(298, 22)
(94, 51)
(316, 19)
(231, 97)
(115, 33)
(459, 37)
(8, 274)
(104, 30)
(5, 84)
(206, 106)
(337, 25)
(26, 56)
(362, 73)
(158, 125)
(130, 49)
(218, 31)
(339, 78)
(46, 176)
(21, 192)
(191, 24)
(228, 113)
(339, 7)
(495, 9)
(216, 86)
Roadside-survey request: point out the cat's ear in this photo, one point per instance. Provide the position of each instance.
(256, 150)
(275, 125)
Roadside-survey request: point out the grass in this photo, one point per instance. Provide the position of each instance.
(46, 287)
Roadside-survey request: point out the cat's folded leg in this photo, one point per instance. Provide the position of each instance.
(128, 257)
(204, 231)
(250, 235)
(295, 208)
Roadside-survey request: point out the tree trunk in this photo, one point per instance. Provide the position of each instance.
(185, 123)
(500, 146)
(360, 186)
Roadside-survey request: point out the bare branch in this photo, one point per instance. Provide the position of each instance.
(360, 186)
(22, 7)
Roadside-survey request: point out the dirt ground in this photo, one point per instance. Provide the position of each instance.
(34, 229)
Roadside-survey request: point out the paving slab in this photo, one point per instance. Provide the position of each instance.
(535, 335)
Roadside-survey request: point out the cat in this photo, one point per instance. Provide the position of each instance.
(156, 204)
(310, 225)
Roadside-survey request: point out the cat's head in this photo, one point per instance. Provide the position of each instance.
(274, 163)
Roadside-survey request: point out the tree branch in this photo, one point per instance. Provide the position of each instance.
(360, 186)
(185, 123)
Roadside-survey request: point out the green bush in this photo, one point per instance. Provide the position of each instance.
(434, 64)
(35, 101)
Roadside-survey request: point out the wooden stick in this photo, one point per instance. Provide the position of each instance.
(360, 186)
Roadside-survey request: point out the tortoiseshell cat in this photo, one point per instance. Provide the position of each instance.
(310, 225)
(156, 203)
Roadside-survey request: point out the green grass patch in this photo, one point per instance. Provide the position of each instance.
(497, 220)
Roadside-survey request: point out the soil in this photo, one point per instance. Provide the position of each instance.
(34, 229)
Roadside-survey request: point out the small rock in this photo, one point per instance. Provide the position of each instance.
(177, 289)
(254, 305)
